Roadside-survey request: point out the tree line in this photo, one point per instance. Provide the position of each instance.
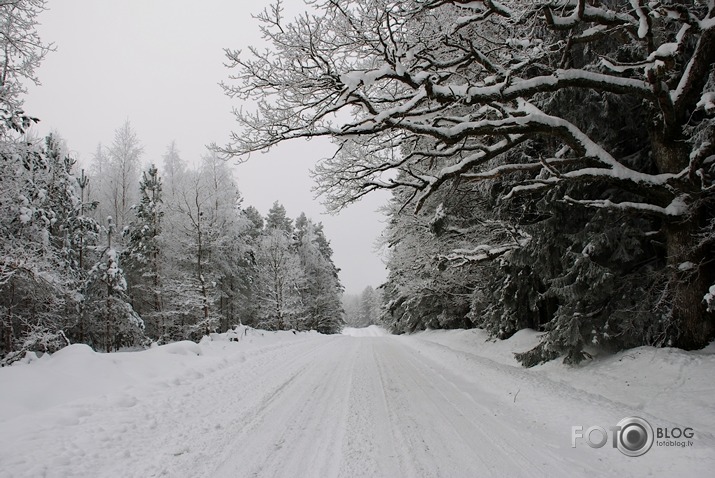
(113, 256)
(190, 245)
(364, 309)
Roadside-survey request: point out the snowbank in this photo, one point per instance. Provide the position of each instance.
(76, 372)
(662, 382)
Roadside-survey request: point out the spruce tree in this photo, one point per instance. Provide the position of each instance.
(320, 290)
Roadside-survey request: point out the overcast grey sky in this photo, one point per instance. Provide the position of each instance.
(158, 63)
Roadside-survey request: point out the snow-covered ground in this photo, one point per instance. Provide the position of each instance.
(437, 403)
(371, 331)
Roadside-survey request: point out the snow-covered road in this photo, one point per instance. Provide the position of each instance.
(329, 406)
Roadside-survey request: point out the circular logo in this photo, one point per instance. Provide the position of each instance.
(635, 436)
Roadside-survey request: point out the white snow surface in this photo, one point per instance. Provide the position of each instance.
(370, 331)
(361, 404)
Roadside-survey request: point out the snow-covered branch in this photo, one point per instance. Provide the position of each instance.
(678, 207)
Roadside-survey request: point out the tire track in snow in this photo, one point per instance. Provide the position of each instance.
(177, 428)
(299, 430)
(369, 448)
(460, 419)
(439, 438)
(239, 400)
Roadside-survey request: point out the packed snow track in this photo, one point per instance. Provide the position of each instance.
(333, 406)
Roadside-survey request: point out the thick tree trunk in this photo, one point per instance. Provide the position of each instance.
(690, 278)
(690, 273)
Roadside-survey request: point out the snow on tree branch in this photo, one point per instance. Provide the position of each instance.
(677, 208)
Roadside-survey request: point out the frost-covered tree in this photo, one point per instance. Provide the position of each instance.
(320, 289)
(296, 283)
(277, 218)
(176, 258)
(278, 282)
(123, 175)
(362, 310)
(423, 291)
(194, 285)
(113, 322)
(369, 312)
(422, 94)
(226, 237)
(45, 240)
(173, 169)
(247, 273)
(351, 310)
(98, 188)
(143, 253)
(115, 174)
(206, 248)
(22, 52)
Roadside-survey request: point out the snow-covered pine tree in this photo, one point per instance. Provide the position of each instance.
(45, 258)
(112, 323)
(143, 255)
(73, 233)
(277, 218)
(37, 268)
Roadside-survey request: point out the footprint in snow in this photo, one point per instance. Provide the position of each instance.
(124, 401)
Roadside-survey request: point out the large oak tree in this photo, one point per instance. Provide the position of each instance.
(417, 94)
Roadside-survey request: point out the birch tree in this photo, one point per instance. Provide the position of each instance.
(22, 52)
(205, 243)
(124, 155)
(174, 168)
(99, 189)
